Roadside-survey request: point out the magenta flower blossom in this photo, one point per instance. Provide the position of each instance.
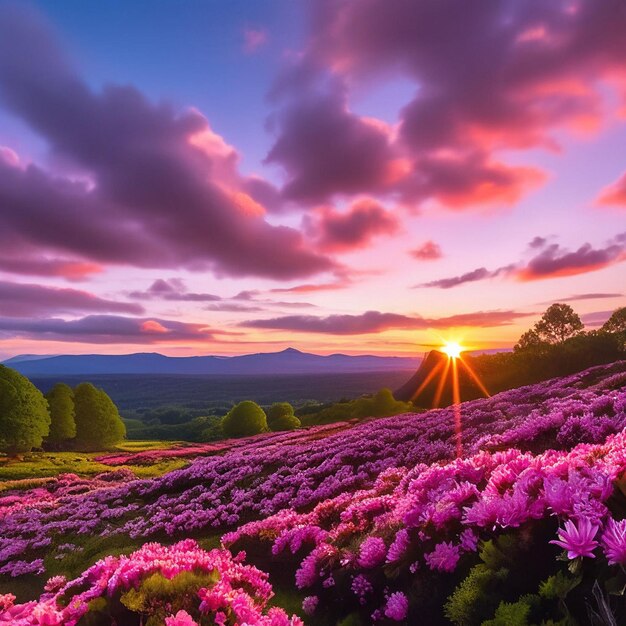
(397, 606)
(182, 618)
(309, 604)
(444, 557)
(372, 553)
(614, 542)
(578, 540)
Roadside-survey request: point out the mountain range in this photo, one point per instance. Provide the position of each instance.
(289, 361)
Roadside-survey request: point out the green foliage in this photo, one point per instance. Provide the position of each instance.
(617, 322)
(62, 423)
(244, 419)
(285, 422)
(475, 595)
(558, 586)
(280, 416)
(24, 416)
(381, 404)
(510, 614)
(158, 596)
(98, 422)
(277, 411)
(558, 323)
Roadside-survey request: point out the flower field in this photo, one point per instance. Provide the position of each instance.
(381, 522)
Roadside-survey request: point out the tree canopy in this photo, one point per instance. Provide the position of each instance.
(62, 423)
(558, 324)
(98, 422)
(24, 416)
(616, 323)
(245, 419)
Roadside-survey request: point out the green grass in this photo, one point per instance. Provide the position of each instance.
(41, 465)
(140, 445)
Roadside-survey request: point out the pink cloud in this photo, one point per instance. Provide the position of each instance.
(355, 228)
(165, 189)
(35, 265)
(428, 251)
(30, 300)
(377, 322)
(254, 39)
(312, 287)
(614, 194)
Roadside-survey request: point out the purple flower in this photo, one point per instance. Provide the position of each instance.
(309, 604)
(397, 606)
(372, 552)
(444, 557)
(614, 542)
(578, 540)
(399, 546)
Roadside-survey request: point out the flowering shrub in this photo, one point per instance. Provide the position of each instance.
(366, 517)
(175, 585)
(428, 517)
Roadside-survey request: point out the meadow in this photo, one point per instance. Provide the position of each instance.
(518, 517)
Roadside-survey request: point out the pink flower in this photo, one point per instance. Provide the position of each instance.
(182, 618)
(578, 540)
(7, 600)
(55, 583)
(614, 541)
(372, 553)
(397, 606)
(444, 557)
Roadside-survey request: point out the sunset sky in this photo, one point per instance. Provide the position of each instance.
(367, 176)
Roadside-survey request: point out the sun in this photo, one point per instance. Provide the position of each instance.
(452, 349)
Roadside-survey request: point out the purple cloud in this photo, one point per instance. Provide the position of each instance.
(550, 262)
(354, 228)
(107, 329)
(555, 261)
(172, 289)
(486, 78)
(469, 277)
(28, 300)
(377, 322)
(158, 187)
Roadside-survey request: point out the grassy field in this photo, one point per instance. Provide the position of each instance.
(34, 467)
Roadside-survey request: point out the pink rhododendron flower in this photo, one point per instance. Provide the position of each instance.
(182, 618)
(372, 552)
(397, 606)
(578, 538)
(444, 557)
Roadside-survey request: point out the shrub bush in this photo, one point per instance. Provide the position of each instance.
(245, 419)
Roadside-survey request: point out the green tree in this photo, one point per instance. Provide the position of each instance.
(98, 422)
(24, 416)
(280, 416)
(530, 340)
(62, 425)
(244, 419)
(616, 325)
(558, 323)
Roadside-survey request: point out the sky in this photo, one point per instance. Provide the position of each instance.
(350, 176)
